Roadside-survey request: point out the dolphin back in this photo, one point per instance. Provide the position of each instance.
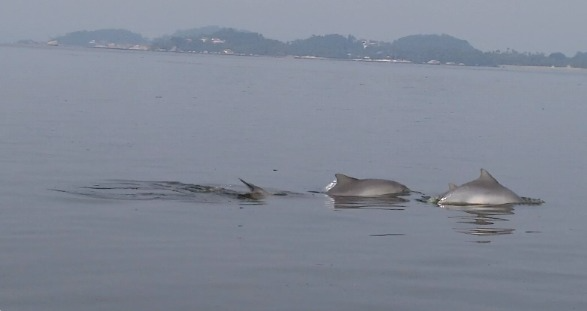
(350, 186)
(485, 190)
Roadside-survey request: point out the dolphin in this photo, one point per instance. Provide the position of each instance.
(346, 186)
(485, 190)
(255, 192)
(258, 193)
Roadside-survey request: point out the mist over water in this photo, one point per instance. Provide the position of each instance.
(102, 153)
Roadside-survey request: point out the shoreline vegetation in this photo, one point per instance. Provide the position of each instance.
(420, 49)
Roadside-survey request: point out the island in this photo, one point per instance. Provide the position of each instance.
(434, 49)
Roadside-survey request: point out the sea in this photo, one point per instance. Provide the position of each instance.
(120, 179)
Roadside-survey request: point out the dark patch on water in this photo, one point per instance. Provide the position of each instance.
(158, 190)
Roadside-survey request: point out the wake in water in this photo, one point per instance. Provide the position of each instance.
(247, 193)
(159, 190)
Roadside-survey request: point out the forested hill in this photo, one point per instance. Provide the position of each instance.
(102, 36)
(423, 48)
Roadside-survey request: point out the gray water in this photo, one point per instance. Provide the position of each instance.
(74, 122)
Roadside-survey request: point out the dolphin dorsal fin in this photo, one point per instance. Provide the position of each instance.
(452, 187)
(342, 179)
(254, 189)
(487, 177)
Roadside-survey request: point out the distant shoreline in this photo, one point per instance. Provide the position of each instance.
(542, 68)
(431, 49)
(39, 45)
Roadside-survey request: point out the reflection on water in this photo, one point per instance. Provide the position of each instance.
(383, 202)
(483, 220)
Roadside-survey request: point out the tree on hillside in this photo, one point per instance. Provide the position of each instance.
(250, 43)
(558, 59)
(579, 60)
(225, 39)
(117, 36)
(331, 46)
(443, 48)
(196, 32)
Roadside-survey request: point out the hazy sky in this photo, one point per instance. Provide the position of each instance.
(524, 25)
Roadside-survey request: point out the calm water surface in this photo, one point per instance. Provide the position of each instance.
(82, 120)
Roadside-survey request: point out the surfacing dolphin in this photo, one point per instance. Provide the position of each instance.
(346, 186)
(484, 190)
(255, 192)
(258, 193)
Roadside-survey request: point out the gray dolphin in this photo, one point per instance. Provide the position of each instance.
(484, 190)
(353, 187)
(258, 193)
(255, 192)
